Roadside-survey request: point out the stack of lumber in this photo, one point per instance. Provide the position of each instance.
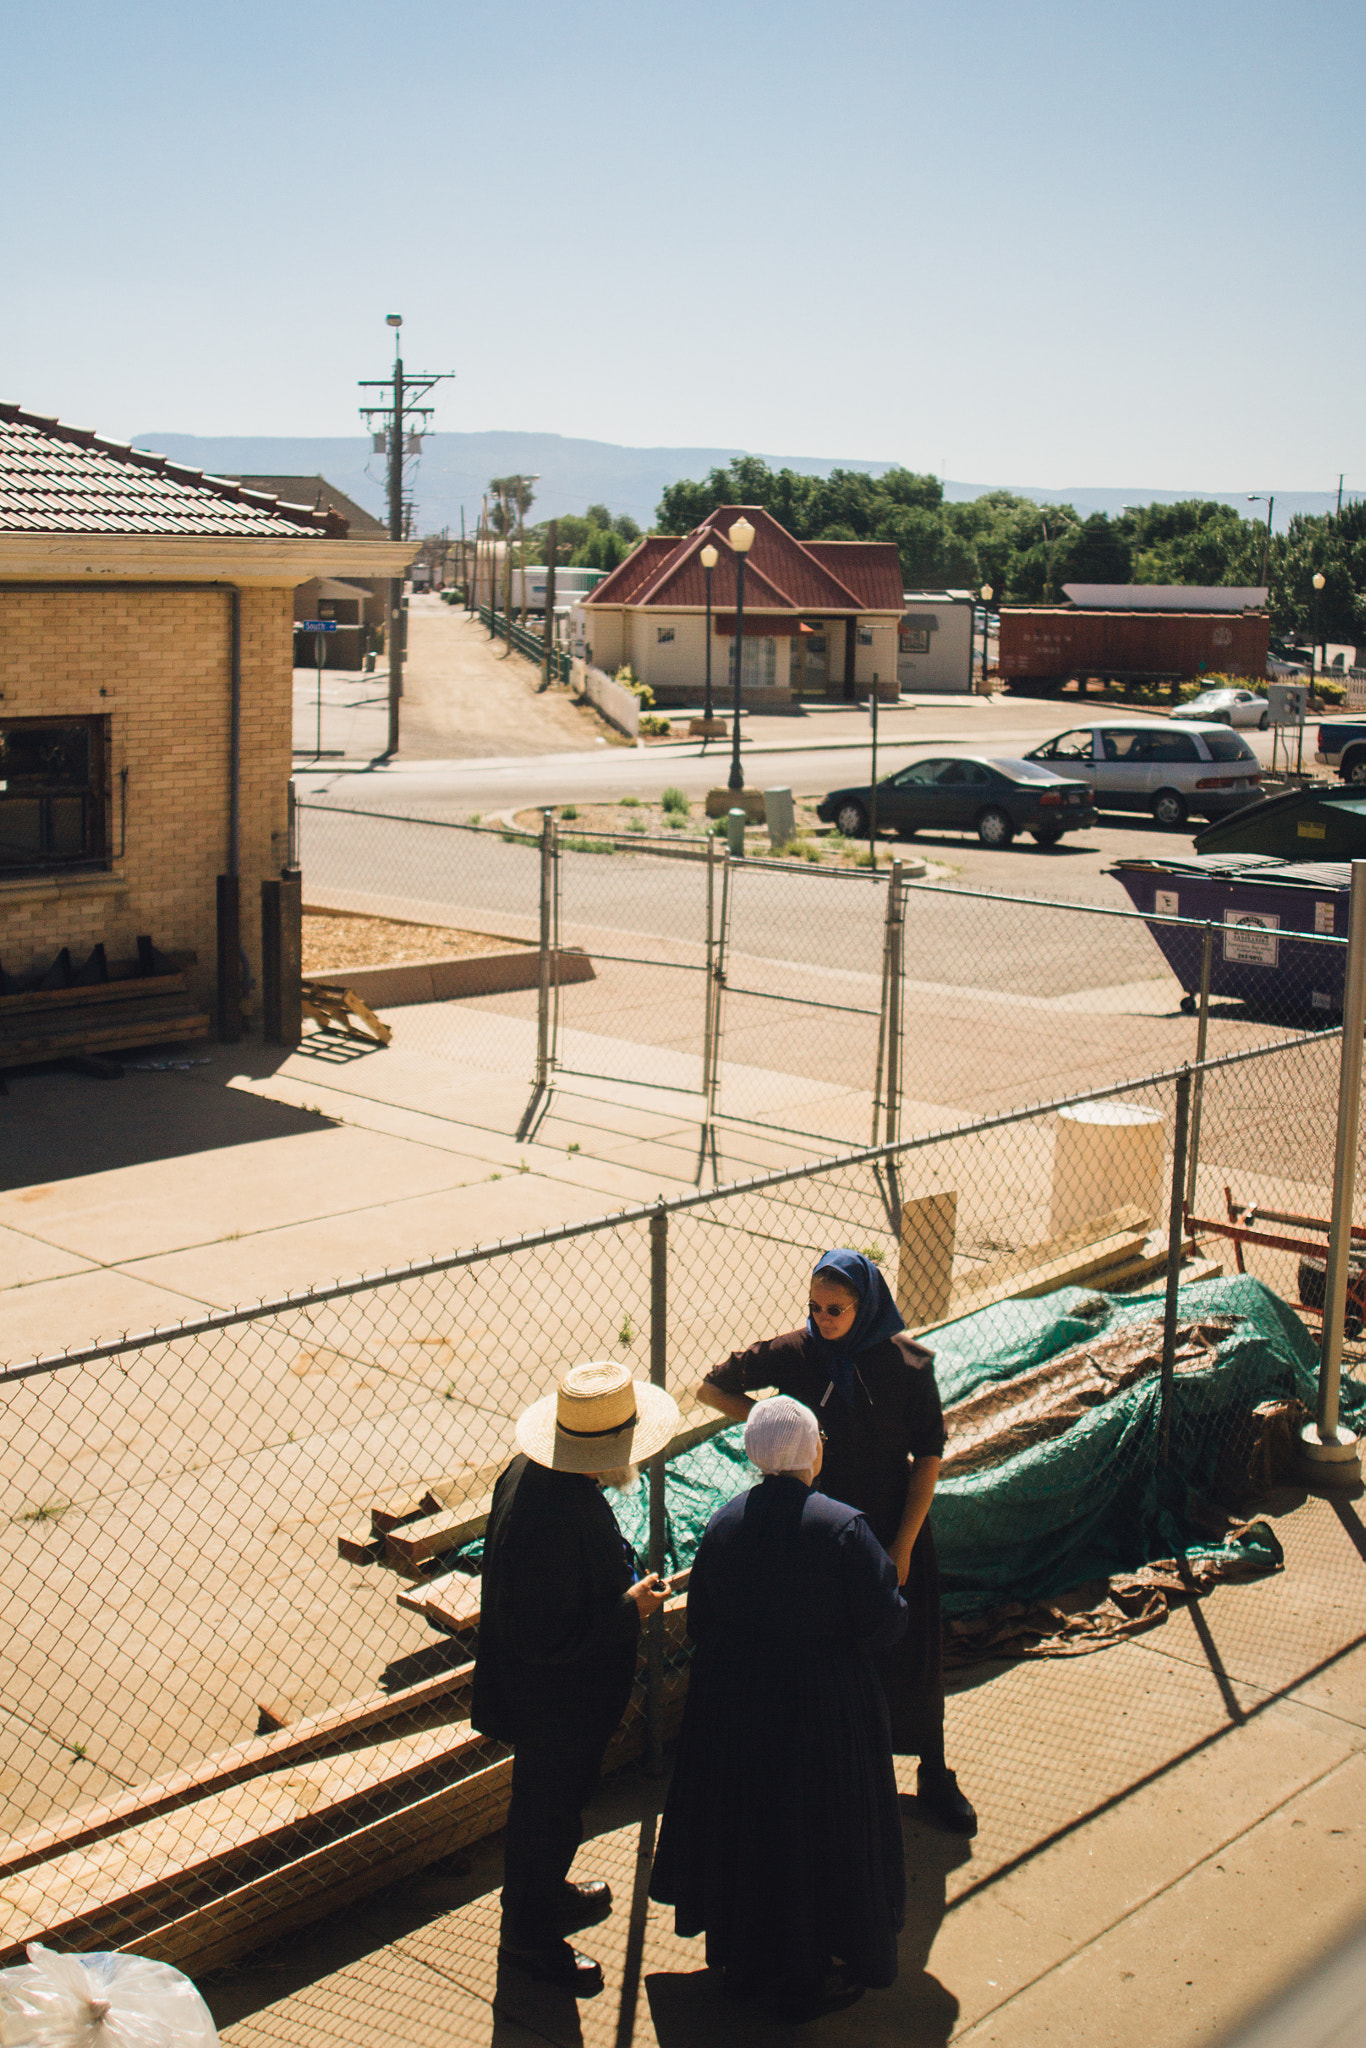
(276, 1831)
(100, 1008)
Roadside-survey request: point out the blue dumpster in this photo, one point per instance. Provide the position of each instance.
(1265, 910)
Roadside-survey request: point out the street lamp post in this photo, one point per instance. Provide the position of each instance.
(1314, 664)
(708, 558)
(741, 538)
(986, 600)
(1270, 503)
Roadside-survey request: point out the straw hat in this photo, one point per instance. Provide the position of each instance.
(598, 1418)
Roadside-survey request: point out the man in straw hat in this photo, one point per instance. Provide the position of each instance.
(561, 1610)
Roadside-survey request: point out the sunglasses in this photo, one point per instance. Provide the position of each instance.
(828, 1313)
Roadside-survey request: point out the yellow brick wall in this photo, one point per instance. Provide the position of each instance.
(155, 662)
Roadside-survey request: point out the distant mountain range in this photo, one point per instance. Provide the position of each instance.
(454, 473)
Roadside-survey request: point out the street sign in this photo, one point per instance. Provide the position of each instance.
(316, 625)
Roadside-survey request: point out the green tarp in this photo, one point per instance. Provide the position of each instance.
(1082, 1502)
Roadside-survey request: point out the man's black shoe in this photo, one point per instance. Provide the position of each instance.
(557, 1963)
(584, 1905)
(811, 2001)
(940, 1800)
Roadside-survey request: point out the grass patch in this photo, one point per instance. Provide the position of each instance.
(569, 810)
(628, 803)
(50, 1511)
(674, 799)
(576, 843)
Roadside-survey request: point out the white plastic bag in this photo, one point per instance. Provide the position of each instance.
(100, 2001)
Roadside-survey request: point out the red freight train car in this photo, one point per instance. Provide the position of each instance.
(1046, 644)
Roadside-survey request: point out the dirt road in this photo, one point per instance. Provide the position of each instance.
(466, 697)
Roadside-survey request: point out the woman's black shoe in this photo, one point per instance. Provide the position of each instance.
(939, 1799)
(584, 1905)
(810, 2001)
(557, 1963)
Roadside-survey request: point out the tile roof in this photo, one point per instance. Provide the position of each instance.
(60, 479)
(872, 567)
(317, 494)
(781, 574)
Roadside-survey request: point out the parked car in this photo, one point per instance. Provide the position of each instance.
(969, 793)
(1228, 707)
(1168, 770)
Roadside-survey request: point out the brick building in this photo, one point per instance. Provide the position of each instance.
(146, 672)
(821, 616)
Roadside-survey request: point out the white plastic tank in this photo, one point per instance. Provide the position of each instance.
(1106, 1156)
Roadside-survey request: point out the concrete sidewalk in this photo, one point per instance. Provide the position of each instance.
(1171, 1829)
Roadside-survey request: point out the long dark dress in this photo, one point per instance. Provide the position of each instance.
(557, 1653)
(781, 1838)
(894, 1415)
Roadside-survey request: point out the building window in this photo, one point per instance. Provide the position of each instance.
(865, 636)
(915, 640)
(52, 793)
(663, 635)
(758, 670)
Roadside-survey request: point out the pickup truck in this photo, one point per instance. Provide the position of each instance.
(1342, 745)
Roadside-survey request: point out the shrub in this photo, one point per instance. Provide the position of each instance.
(674, 800)
(655, 728)
(629, 680)
(628, 803)
(569, 810)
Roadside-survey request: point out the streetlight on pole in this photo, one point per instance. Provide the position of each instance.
(986, 600)
(1270, 503)
(1319, 580)
(741, 537)
(709, 559)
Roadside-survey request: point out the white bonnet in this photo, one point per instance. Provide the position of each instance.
(781, 1435)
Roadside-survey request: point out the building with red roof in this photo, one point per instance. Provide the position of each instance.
(821, 617)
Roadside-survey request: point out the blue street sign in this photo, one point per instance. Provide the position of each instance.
(316, 625)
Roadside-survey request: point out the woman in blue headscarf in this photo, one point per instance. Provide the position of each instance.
(872, 1389)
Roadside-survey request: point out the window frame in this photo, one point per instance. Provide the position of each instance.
(96, 853)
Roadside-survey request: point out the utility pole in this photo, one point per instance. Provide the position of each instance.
(404, 394)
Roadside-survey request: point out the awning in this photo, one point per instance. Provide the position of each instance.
(760, 625)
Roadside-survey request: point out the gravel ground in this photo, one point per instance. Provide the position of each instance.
(812, 840)
(331, 942)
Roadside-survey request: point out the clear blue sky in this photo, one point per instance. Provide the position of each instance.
(1077, 242)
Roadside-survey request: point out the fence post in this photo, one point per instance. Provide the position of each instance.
(1176, 1227)
(1331, 1454)
(1201, 1036)
(543, 1053)
(718, 979)
(710, 991)
(659, 1355)
(892, 1093)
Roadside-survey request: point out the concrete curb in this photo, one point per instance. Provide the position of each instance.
(442, 980)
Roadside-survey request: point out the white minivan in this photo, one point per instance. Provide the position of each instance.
(1170, 770)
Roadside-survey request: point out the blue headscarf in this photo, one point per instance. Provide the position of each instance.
(878, 1317)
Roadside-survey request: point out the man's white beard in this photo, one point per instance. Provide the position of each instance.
(621, 1478)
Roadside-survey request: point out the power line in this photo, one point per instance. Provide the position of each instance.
(395, 438)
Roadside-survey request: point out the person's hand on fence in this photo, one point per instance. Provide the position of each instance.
(649, 1594)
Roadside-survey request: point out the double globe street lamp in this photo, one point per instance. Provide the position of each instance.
(741, 538)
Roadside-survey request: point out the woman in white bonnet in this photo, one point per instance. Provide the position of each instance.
(781, 1838)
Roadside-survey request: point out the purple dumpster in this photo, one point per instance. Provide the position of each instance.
(1266, 913)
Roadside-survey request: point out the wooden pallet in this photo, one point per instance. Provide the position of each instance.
(334, 1007)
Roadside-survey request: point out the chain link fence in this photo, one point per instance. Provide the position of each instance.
(829, 1006)
(241, 1574)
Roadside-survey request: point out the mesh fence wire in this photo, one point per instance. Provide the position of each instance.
(799, 999)
(256, 1522)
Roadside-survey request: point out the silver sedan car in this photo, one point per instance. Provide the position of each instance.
(1228, 707)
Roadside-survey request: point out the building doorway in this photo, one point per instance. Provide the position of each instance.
(811, 660)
